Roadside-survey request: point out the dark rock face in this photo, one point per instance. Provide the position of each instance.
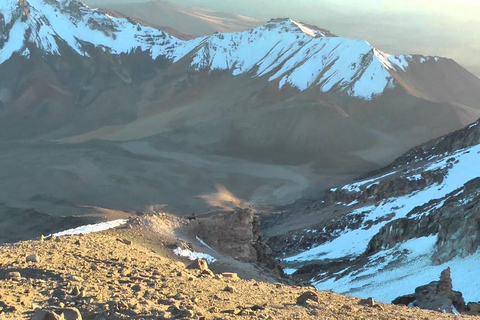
(393, 187)
(443, 221)
(437, 295)
(265, 255)
(236, 234)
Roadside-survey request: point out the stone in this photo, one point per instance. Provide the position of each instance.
(46, 315)
(32, 258)
(75, 292)
(473, 307)
(178, 296)
(306, 296)
(405, 300)
(14, 275)
(208, 272)
(137, 287)
(71, 314)
(445, 285)
(125, 241)
(57, 314)
(368, 302)
(231, 311)
(200, 264)
(230, 289)
(437, 295)
(230, 275)
(257, 307)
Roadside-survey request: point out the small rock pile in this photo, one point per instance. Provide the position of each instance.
(437, 295)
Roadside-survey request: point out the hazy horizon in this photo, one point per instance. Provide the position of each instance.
(446, 28)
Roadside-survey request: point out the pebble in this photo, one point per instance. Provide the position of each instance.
(230, 289)
(14, 275)
(32, 258)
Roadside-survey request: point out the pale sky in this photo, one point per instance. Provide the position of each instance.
(449, 28)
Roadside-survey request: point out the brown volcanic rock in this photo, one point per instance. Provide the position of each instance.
(237, 234)
(231, 233)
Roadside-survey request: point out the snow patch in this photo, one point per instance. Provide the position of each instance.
(91, 228)
(192, 255)
(205, 244)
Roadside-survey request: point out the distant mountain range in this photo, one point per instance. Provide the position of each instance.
(185, 22)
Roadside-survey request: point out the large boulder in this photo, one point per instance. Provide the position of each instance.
(236, 234)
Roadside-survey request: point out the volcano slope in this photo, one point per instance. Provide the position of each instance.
(132, 273)
(102, 114)
(393, 230)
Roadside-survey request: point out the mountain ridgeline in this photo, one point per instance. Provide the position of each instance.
(100, 112)
(87, 59)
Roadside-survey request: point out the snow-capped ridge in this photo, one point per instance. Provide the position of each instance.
(290, 53)
(295, 26)
(47, 24)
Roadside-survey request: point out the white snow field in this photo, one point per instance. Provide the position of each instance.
(193, 255)
(91, 228)
(415, 268)
(385, 283)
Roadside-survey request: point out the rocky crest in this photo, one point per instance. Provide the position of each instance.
(393, 186)
(236, 234)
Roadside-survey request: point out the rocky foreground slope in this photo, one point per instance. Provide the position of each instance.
(132, 273)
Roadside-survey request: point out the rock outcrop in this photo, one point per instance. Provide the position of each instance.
(395, 186)
(437, 295)
(236, 234)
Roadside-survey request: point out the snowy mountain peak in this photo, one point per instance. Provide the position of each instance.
(50, 25)
(285, 51)
(289, 25)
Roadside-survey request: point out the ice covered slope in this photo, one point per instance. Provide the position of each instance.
(51, 24)
(284, 51)
(416, 217)
(302, 56)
